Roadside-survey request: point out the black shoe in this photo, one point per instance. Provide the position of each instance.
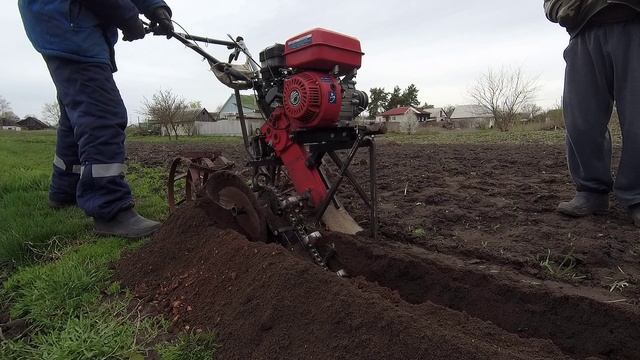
(635, 214)
(128, 224)
(58, 205)
(585, 204)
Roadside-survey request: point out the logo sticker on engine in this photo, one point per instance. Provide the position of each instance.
(326, 79)
(294, 98)
(332, 97)
(300, 42)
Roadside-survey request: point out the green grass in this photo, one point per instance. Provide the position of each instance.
(517, 136)
(56, 274)
(64, 304)
(187, 139)
(522, 133)
(189, 347)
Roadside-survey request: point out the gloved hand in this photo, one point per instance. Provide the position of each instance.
(133, 29)
(161, 21)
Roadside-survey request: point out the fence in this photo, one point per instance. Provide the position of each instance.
(226, 127)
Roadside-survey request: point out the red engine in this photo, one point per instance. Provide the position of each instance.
(318, 91)
(312, 100)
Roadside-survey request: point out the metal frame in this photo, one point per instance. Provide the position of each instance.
(371, 199)
(364, 139)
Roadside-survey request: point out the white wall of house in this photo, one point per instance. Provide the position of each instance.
(436, 114)
(409, 116)
(227, 127)
(181, 132)
(395, 122)
(12, 128)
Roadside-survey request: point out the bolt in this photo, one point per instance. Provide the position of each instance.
(312, 239)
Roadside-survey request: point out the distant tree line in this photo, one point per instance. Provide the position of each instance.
(381, 100)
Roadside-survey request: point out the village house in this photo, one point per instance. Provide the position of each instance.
(31, 123)
(188, 124)
(9, 124)
(435, 115)
(227, 121)
(395, 117)
(472, 116)
(229, 109)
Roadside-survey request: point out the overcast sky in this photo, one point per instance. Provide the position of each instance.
(441, 46)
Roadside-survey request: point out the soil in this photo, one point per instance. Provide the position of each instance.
(266, 303)
(469, 230)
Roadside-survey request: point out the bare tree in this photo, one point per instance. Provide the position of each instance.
(532, 111)
(195, 105)
(51, 112)
(504, 93)
(409, 125)
(5, 107)
(167, 110)
(448, 110)
(555, 118)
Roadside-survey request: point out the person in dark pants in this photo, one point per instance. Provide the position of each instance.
(76, 39)
(603, 69)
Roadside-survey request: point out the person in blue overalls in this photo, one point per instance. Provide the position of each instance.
(76, 39)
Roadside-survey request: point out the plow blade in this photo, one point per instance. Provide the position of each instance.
(338, 220)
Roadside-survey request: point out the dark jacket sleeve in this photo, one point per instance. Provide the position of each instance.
(146, 7)
(112, 12)
(117, 12)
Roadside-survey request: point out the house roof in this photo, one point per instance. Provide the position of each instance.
(248, 102)
(398, 111)
(470, 112)
(32, 122)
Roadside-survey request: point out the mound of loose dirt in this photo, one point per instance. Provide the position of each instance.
(265, 303)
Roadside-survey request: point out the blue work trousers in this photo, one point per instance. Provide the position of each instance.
(88, 167)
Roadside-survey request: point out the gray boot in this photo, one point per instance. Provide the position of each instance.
(635, 214)
(585, 204)
(128, 224)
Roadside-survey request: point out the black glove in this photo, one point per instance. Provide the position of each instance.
(133, 29)
(162, 24)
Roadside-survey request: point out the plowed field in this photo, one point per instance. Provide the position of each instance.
(471, 262)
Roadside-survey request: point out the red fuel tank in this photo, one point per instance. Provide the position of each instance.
(321, 49)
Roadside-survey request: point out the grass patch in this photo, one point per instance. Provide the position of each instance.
(64, 303)
(26, 221)
(46, 294)
(419, 232)
(189, 346)
(480, 137)
(563, 266)
(30, 229)
(187, 139)
(55, 273)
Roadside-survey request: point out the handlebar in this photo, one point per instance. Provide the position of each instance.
(236, 78)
